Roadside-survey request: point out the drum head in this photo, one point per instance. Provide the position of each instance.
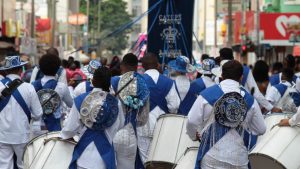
(49, 99)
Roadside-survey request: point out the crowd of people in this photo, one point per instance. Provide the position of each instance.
(114, 108)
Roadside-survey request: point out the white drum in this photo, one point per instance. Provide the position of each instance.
(278, 148)
(47, 152)
(188, 161)
(169, 143)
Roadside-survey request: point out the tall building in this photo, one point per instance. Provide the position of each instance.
(135, 8)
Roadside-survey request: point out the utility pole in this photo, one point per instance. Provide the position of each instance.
(32, 19)
(204, 27)
(53, 22)
(257, 27)
(86, 50)
(229, 43)
(215, 24)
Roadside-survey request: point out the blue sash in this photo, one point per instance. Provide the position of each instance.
(186, 104)
(281, 88)
(52, 123)
(246, 71)
(130, 117)
(105, 149)
(114, 82)
(88, 86)
(211, 95)
(159, 91)
(17, 95)
(296, 98)
(274, 79)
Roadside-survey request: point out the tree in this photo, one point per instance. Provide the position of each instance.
(113, 15)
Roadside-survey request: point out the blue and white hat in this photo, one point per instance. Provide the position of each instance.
(206, 66)
(181, 64)
(89, 70)
(12, 62)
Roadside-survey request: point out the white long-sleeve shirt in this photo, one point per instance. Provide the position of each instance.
(230, 148)
(273, 95)
(80, 89)
(14, 125)
(90, 158)
(207, 81)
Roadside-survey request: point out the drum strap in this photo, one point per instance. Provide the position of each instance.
(88, 86)
(105, 149)
(159, 91)
(17, 95)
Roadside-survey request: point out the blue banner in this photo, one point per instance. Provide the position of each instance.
(170, 27)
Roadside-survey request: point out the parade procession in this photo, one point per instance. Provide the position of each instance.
(115, 84)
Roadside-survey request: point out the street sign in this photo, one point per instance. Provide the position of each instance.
(28, 46)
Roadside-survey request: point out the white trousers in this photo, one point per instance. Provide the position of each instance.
(7, 152)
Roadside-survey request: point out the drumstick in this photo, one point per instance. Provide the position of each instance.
(274, 126)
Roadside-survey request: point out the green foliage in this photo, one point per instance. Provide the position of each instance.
(113, 14)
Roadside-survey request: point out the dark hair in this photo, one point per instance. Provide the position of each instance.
(204, 56)
(218, 60)
(150, 61)
(232, 70)
(288, 73)
(53, 51)
(77, 63)
(277, 67)
(130, 60)
(226, 54)
(260, 71)
(290, 59)
(64, 63)
(49, 64)
(101, 78)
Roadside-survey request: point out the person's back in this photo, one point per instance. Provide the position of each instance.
(94, 148)
(225, 142)
(163, 95)
(284, 93)
(18, 105)
(49, 64)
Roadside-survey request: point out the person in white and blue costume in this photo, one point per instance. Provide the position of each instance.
(86, 86)
(227, 119)
(186, 91)
(285, 94)
(60, 75)
(226, 54)
(96, 116)
(134, 95)
(49, 64)
(16, 112)
(128, 63)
